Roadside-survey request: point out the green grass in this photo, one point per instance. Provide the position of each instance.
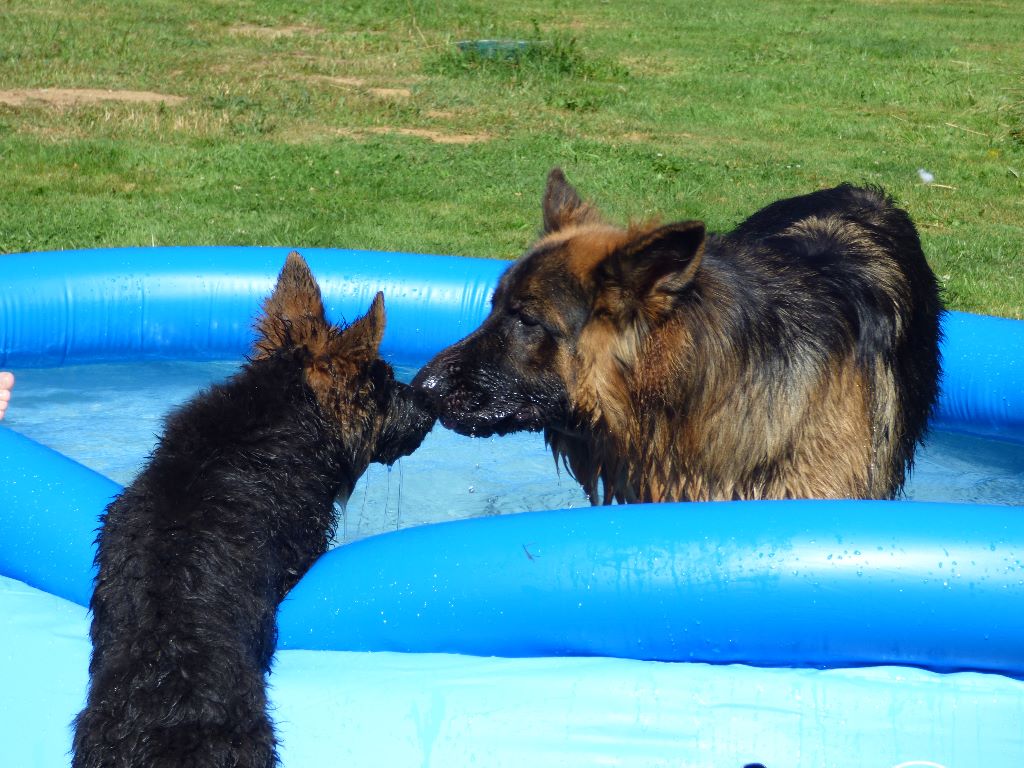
(363, 125)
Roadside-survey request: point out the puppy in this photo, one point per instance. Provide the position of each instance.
(232, 508)
(794, 357)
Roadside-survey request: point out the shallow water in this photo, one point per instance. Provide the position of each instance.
(108, 418)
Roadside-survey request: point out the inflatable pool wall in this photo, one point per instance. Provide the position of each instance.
(68, 307)
(815, 594)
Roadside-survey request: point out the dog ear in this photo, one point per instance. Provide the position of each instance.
(294, 303)
(660, 262)
(361, 340)
(562, 205)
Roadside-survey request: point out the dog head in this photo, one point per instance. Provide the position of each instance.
(569, 323)
(379, 419)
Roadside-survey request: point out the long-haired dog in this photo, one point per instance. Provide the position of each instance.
(232, 508)
(794, 357)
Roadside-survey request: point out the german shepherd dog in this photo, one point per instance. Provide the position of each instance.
(794, 357)
(232, 508)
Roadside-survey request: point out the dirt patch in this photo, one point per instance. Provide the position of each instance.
(69, 97)
(345, 82)
(636, 137)
(273, 33)
(397, 94)
(437, 137)
(442, 138)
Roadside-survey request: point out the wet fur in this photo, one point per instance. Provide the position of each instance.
(234, 505)
(794, 357)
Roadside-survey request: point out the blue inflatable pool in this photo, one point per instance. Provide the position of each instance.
(786, 633)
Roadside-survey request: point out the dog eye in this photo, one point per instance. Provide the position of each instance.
(530, 326)
(516, 311)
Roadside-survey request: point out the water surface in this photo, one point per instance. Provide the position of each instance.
(108, 418)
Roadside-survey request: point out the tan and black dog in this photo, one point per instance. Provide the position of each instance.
(794, 357)
(233, 507)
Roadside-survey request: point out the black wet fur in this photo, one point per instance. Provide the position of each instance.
(234, 505)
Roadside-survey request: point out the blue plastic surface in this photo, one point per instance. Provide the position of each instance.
(795, 584)
(822, 584)
(983, 376)
(199, 302)
(775, 584)
(418, 710)
(825, 584)
(49, 515)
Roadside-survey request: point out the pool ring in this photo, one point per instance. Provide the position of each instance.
(529, 638)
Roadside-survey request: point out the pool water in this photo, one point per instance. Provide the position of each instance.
(108, 418)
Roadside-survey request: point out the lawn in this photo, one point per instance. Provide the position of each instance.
(364, 125)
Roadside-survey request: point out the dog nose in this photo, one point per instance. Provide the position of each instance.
(428, 383)
(430, 391)
(426, 378)
(434, 380)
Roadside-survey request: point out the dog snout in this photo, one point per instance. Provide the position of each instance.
(428, 380)
(408, 418)
(430, 385)
(423, 402)
(439, 381)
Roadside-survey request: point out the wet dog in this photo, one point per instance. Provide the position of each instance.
(232, 508)
(794, 357)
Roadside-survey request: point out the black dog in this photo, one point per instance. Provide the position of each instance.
(794, 357)
(233, 507)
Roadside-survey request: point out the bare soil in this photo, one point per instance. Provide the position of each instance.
(69, 97)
